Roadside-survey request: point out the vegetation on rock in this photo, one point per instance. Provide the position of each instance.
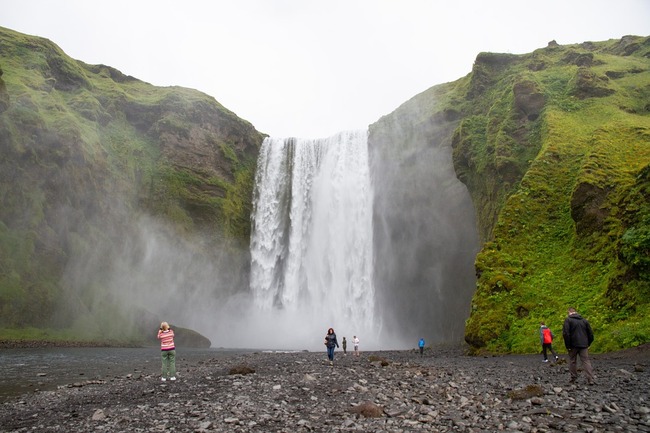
(84, 150)
(555, 149)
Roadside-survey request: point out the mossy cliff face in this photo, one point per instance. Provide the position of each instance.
(554, 147)
(85, 150)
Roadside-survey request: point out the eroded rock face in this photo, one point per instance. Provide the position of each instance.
(486, 70)
(586, 208)
(528, 99)
(590, 85)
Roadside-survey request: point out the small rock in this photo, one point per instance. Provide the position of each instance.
(99, 415)
(368, 409)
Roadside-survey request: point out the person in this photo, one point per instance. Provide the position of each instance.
(578, 336)
(168, 350)
(331, 343)
(546, 337)
(344, 343)
(421, 346)
(355, 341)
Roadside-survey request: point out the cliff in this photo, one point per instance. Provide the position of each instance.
(554, 147)
(85, 152)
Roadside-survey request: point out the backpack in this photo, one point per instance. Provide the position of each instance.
(548, 337)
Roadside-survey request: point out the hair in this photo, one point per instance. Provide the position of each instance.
(542, 323)
(331, 329)
(164, 326)
(571, 310)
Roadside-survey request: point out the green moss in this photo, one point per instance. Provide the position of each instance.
(573, 222)
(89, 149)
(237, 206)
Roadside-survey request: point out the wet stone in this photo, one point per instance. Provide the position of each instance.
(387, 391)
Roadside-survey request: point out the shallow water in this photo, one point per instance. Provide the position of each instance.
(29, 370)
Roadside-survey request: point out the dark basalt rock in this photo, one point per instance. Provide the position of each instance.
(444, 390)
(586, 208)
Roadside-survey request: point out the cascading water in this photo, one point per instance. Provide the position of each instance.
(312, 237)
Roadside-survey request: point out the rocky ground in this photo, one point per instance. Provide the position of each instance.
(387, 391)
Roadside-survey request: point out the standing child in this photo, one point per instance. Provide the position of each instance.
(355, 340)
(546, 337)
(421, 346)
(344, 344)
(168, 350)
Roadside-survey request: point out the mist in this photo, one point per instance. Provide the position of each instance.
(369, 233)
(425, 235)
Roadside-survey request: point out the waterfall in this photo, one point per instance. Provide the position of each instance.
(312, 236)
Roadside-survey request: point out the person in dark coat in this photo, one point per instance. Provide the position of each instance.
(331, 343)
(578, 336)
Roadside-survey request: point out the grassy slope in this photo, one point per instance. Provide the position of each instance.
(77, 136)
(545, 254)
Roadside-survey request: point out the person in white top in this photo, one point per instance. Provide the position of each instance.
(355, 340)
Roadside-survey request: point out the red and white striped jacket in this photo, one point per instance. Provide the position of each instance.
(166, 339)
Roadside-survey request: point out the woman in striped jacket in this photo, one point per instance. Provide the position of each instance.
(166, 337)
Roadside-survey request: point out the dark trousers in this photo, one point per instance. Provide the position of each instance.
(330, 353)
(583, 353)
(548, 346)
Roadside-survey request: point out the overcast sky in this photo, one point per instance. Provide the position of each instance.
(308, 68)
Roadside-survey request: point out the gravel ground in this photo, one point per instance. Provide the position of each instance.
(388, 391)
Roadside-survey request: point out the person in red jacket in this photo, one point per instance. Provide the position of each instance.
(546, 337)
(168, 349)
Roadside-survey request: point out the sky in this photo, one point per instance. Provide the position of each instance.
(306, 68)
